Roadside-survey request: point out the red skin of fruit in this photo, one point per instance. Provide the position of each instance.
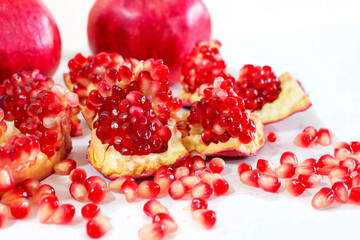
(30, 38)
(128, 28)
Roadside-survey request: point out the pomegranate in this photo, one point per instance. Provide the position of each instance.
(30, 38)
(149, 29)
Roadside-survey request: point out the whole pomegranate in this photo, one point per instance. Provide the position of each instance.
(29, 39)
(142, 29)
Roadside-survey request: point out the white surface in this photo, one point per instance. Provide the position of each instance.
(319, 42)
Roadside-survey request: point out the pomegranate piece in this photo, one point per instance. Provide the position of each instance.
(269, 183)
(78, 191)
(6, 179)
(323, 199)
(30, 185)
(242, 167)
(198, 203)
(303, 140)
(201, 190)
(181, 171)
(153, 207)
(65, 167)
(288, 157)
(265, 166)
(20, 208)
(148, 189)
(324, 137)
(90, 210)
(206, 217)
(3, 214)
(97, 227)
(294, 187)
(285, 170)
(47, 207)
(219, 184)
(78, 175)
(217, 165)
(13, 194)
(310, 181)
(63, 214)
(272, 136)
(177, 190)
(96, 192)
(327, 160)
(189, 181)
(341, 192)
(43, 189)
(167, 221)
(153, 231)
(250, 178)
(115, 186)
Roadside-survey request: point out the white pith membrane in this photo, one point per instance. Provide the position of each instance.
(292, 99)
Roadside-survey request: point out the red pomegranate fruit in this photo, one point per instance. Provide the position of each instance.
(149, 29)
(29, 40)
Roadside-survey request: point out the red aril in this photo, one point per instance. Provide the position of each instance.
(65, 167)
(6, 179)
(339, 171)
(90, 210)
(20, 208)
(265, 166)
(348, 163)
(96, 192)
(326, 160)
(294, 187)
(325, 170)
(181, 171)
(355, 146)
(347, 179)
(63, 214)
(153, 231)
(13, 194)
(219, 184)
(177, 190)
(288, 157)
(201, 190)
(341, 192)
(153, 207)
(310, 162)
(285, 170)
(43, 189)
(242, 167)
(324, 137)
(78, 175)
(307, 170)
(269, 183)
(47, 207)
(3, 214)
(115, 186)
(216, 165)
(97, 227)
(310, 180)
(303, 140)
(206, 217)
(30, 186)
(272, 136)
(205, 177)
(323, 199)
(148, 190)
(164, 179)
(198, 203)
(250, 178)
(197, 162)
(78, 191)
(356, 181)
(189, 181)
(167, 221)
(311, 131)
(95, 180)
(354, 196)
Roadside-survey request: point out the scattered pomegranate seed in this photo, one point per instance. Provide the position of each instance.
(177, 190)
(205, 177)
(78, 191)
(6, 179)
(325, 170)
(90, 210)
(13, 194)
(250, 178)
(43, 189)
(269, 183)
(95, 179)
(219, 184)
(153, 207)
(20, 208)
(342, 150)
(288, 157)
(310, 181)
(347, 179)
(285, 170)
(310, 162)
(130, 189)
(323, 199)
(326, 160)
(339, 171)
(341, 192)
(217, 165)
(272, 136)
(294, 187)
(311, 131)
(307, 170)
(115, 186)
(324, 137)
(153, 231)
(202, 170)
(198, 203)
(189, 181)
(201, 190)
(47, 207)
(30, 186)
(164, 179)
(167, 221)
(206, 217)
(303, 140)
(354, 196)
(98, 227)
(242, 167)
(355, 146)
(63, 214)
(148, 190)
(181, 171)
(65, 167)
(78, 175)
(96, 192)
(356, 181)
(265, 166)
(348, 163)
(197, 163)
(3, 214)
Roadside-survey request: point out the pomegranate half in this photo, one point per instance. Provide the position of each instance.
(149, 29)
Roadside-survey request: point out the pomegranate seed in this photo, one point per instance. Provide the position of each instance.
(347, 179)
(78, 175)
(78, 191)
(3, 214)
(167, 221)
(206, 217)
(294, 187)
(339, 171)
(217, 165)
(189, 182)
(201, 190)
(202, 170)
(30, 186)
(205, 177)
(250, 178)
(348, 163)
(6, 179)
(197, 163)
(265, 166)
(326, 160)
(355, 146)
(47, 206)
(311, 180)
(164, 179)
(43, 189)
(272, 136)
(303, 140)
(153, 207)
(115, 186)
(310, 162)
(305, 170)
(197, 153)
(325, 170)
(269, 183)
(341, 153)
(323, 137)
(13, 194)
(354, 196)
(90, 210)
(95, 180)
(65, 167)
(96, 192)
(181, 171)
(242, 167)
(130, 189)
(323, 199)
(63, 214)
(20, 208)
(219, 184)
(311, 131)
(356, 181)
(285, 170)
(97, 227)
(154, 231)
(177, 190)
(198, 203)
(148, 190)
(288, 157)
(341, 192)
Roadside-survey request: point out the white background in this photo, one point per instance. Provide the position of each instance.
(319, 42)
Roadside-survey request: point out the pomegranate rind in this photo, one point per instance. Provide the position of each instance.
(112, 164)
(231, 148)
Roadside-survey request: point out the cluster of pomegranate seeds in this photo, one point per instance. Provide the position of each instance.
(203, 65)
(257, 86)
(222, 115)
(310, 135)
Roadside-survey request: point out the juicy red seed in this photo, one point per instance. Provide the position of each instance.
(219, 184)
(288, 157)
(30, 186)
(323, 199)
(311, 131)
(130, 189)
(197, 162)
(90, 210)
(265, 166)
(153, 231)
(63, 214)
(3, 214)
(95, 179)
(285, 170)
(310, 162)
(355, 146)
(167, 221)
(148, 190)
(153, 207)
(78, 175)
(164, 179)
(354, 196)
(115, 185)
(198, 203)
(347, 179)
(341, 153)
(13, 194)
(307, 170)
(250, 178)
(326, 160)
(97, 227)
(181, 171)
(206, 217)
(341, 192)
(272, 136)
(348, 163)
(96, 193)
(294, 187)
(65, 167)
(356, 181)
(242, 167)
(78, 191)
(47, 206)
(189, 182)
(217, 165)
(201, 190)
(177, 190)
(20, 208)
(6, 179)
(303, 140)
(323, 137)
(43, 189)
(339, 171)
(269, 183)
(311, 180)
